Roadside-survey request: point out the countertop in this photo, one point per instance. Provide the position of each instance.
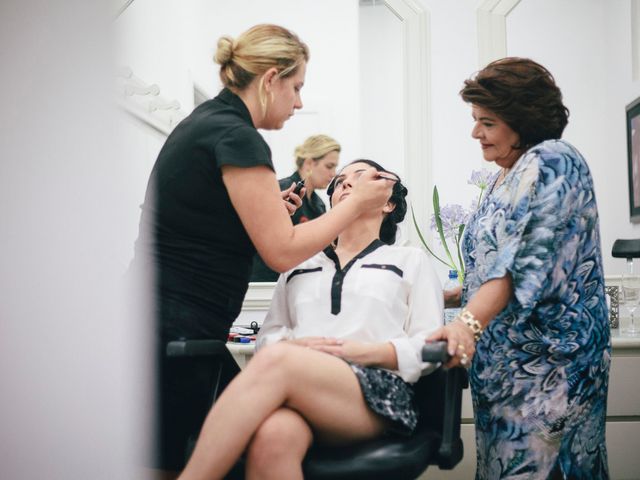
(619, 341)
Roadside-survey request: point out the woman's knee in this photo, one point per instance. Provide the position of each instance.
(284, 434)
(275, 360)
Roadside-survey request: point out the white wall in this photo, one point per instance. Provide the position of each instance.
(154, 39)
(72, 361)
(590, 56)
(381, 87)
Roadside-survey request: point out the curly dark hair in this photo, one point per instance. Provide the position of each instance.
(524, 94)
(389, 226)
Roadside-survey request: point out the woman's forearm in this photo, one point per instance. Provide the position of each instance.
(381, 355)
(255, 195)
(490, 299)
(453, 298)
(384, 355)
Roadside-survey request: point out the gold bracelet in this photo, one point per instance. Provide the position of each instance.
(466, 317)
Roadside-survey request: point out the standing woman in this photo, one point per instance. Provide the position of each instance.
(213, 199)
(533, 294)
(316, 162)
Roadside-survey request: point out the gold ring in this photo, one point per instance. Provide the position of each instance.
(464, 359)
(460, 346)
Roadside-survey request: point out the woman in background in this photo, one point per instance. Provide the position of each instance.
(533, 293)
(316, 162)
(212, 200)
(338, 350)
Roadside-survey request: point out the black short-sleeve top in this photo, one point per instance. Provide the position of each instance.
(201, 250)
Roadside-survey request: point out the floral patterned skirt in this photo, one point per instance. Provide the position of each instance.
(389, 396)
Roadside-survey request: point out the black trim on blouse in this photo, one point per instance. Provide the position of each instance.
(385, 266)
(299, 271)
(338, 278)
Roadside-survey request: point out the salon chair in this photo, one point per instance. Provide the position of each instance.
(436, 440)
(628, 249)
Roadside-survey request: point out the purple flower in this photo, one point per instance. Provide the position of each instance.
(452, 217)
(480, 178)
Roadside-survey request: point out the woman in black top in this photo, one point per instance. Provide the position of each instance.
(212, 199)
(316, 162)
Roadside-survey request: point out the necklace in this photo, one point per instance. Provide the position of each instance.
(503, 174)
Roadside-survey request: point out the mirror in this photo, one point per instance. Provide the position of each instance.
(365, 86)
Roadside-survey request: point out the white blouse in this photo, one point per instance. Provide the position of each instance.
(386, 293)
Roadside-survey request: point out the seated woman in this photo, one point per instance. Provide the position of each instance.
(338, 351)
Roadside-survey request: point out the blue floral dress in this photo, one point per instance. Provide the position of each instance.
(540, 373)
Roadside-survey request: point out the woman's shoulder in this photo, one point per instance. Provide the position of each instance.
(554, 153)
(554, 160)
(287, 181)
(220, 116)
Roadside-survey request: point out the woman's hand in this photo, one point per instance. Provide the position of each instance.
(372, 189)
(460, 343)
(365, 354)
(292, 201)
(313, 342)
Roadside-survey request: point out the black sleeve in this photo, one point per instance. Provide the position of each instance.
(285, 182)
(243, 147)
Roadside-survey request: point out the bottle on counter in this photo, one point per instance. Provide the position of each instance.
(451, 283)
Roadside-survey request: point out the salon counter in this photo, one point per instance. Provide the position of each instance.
(623, 413)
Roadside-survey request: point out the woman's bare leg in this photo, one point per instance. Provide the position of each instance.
(321, 388)
(278, 447)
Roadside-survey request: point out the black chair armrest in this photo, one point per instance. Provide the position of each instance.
(196, 348)
(451, 449)
(213, 353)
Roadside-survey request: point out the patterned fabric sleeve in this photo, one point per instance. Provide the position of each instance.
(529, 224)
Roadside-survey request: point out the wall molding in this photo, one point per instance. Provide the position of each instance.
(143, 101)
(635, 40)
(417, 117)
(492, 29)
(258, 297)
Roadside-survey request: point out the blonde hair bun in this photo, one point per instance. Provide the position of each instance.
(257, 50)
(224, 52)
